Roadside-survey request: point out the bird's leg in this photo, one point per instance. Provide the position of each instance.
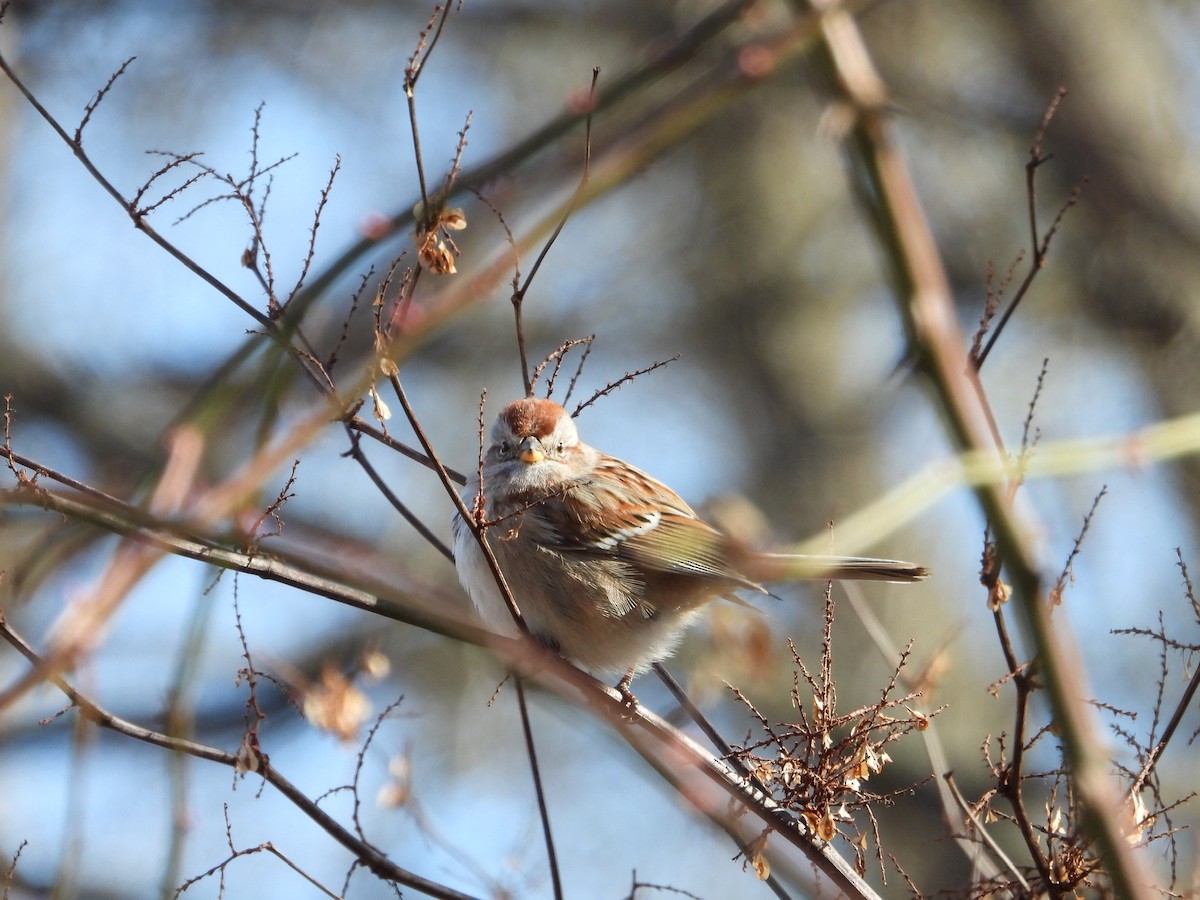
(623, 688)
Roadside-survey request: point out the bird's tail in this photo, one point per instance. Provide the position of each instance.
(769, 567)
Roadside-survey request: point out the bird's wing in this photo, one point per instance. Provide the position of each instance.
(657, 531)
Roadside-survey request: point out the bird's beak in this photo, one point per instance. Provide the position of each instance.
(531, 450)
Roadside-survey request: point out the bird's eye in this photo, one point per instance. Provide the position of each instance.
(559, 447)
(504, 450)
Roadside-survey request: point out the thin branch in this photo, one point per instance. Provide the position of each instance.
(412, 73)
(95, 102)
(1185, 701)
(1068, 570)
(422, 529)
(365, 427)
(468, 516)
(1039, 243)
(93, 712)
(518, 297)
(312, 235)
(539, 790)
(613, 385)
(557, 356)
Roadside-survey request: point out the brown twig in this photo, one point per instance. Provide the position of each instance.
(355, 299)
(1185, 701)
(412, 73)
(357, 454)
(518, 296)
(312, 236)
(627, 377)
(557, 356)
(1068, 571)
(235, 854)
(538, 789)
(1038, 242)
(477, 528)
(93, 712)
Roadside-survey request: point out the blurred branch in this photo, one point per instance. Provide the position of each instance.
(705, 781)
(924, 297)
(80, 626)
(986, 470)
(363, 851)
(672, 57)
(293, 569)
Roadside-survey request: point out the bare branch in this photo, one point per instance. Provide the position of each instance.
(371, 858)
(628, 376)
(312, 235)
(95, 102)
(1039, 243)
(518, 297)
(539, 790)
(1068, 573)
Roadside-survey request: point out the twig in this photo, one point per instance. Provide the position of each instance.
(379, 864)
(477, 528)
(412, 74)
(557, 356)
(16, 857)
(1029, 435)
(95, 102)
(365, 427)
(613, 385)
(1039, 243)
(355, 298)
(539, 790)
(312, 234)
(518, 297)
(1068, 571)
(421, 528)
(1185, 701)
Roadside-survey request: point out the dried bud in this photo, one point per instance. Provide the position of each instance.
(382, 413)
(756, 856)
(247, 757)
(999, 595)
(335, 705)
(375, 665)
(398, 790)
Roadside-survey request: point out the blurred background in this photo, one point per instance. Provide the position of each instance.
(740, 248)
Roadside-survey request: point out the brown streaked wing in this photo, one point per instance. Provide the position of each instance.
(651, 526)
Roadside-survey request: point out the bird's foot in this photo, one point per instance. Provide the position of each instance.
(623, 688)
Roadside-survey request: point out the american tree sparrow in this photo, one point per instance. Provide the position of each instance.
(607, 565)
